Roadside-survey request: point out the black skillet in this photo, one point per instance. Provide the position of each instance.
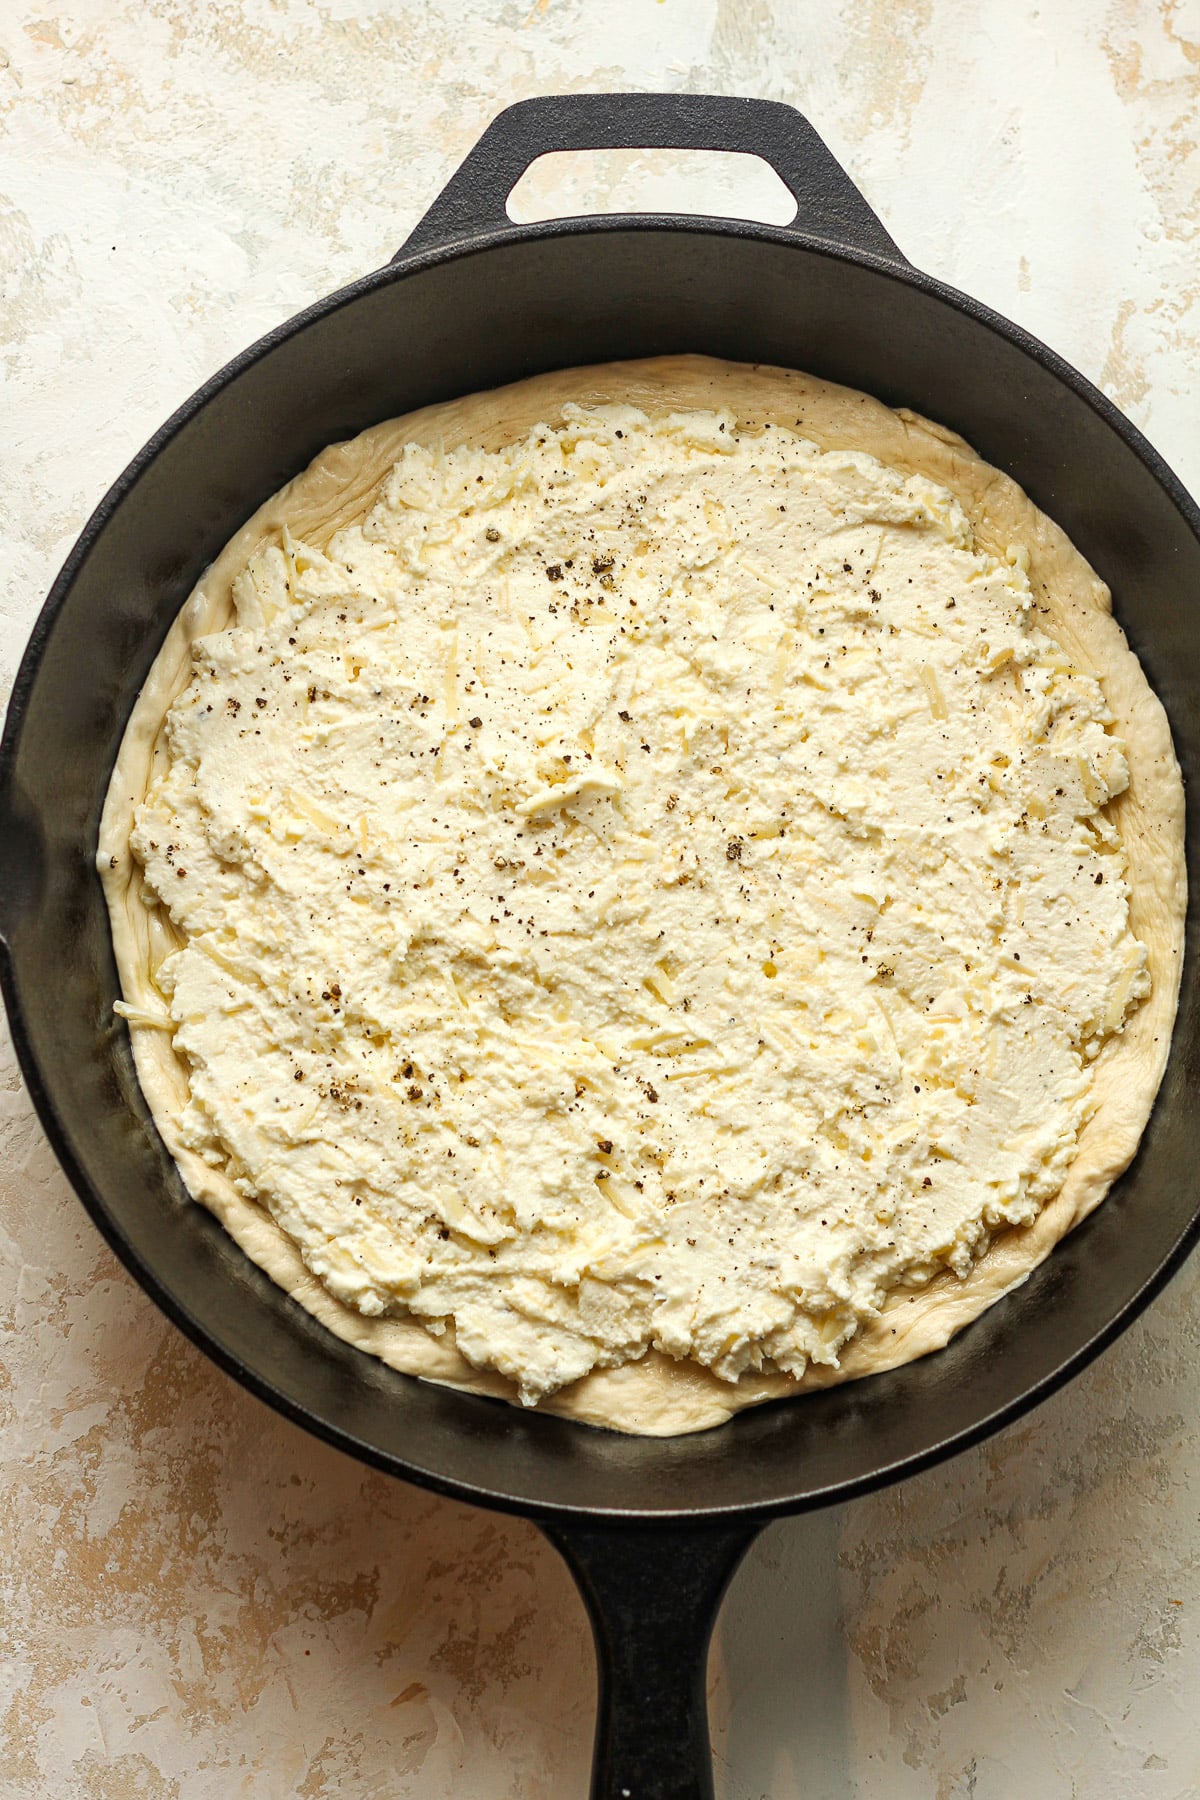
(652, 1529)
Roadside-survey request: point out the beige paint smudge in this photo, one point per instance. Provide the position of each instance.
(889, 53)
(1124, 376)
(1154, 56)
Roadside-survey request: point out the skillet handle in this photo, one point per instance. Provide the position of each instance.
(829, 206)
(652, 1594)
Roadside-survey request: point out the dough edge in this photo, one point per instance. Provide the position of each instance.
(657, 1396)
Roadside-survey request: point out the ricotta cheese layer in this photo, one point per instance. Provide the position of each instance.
(645, 887)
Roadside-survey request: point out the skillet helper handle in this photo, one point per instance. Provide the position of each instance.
(829, 206)
(652, 1594)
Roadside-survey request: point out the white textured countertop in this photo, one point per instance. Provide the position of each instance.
(196, 1599)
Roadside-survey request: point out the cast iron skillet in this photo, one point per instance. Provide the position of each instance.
(652, 1529)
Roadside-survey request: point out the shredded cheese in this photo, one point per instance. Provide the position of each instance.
(644, 887)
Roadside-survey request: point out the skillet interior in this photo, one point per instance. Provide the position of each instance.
(431, 327)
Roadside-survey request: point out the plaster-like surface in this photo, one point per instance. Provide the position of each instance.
(195, 1599)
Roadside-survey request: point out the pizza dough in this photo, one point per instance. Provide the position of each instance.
(656, 1393)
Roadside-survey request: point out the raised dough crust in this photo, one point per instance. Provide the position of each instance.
(657, 1395)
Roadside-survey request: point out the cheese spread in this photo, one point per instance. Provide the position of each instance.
(642, 888)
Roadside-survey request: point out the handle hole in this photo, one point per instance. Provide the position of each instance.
(730, 184)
